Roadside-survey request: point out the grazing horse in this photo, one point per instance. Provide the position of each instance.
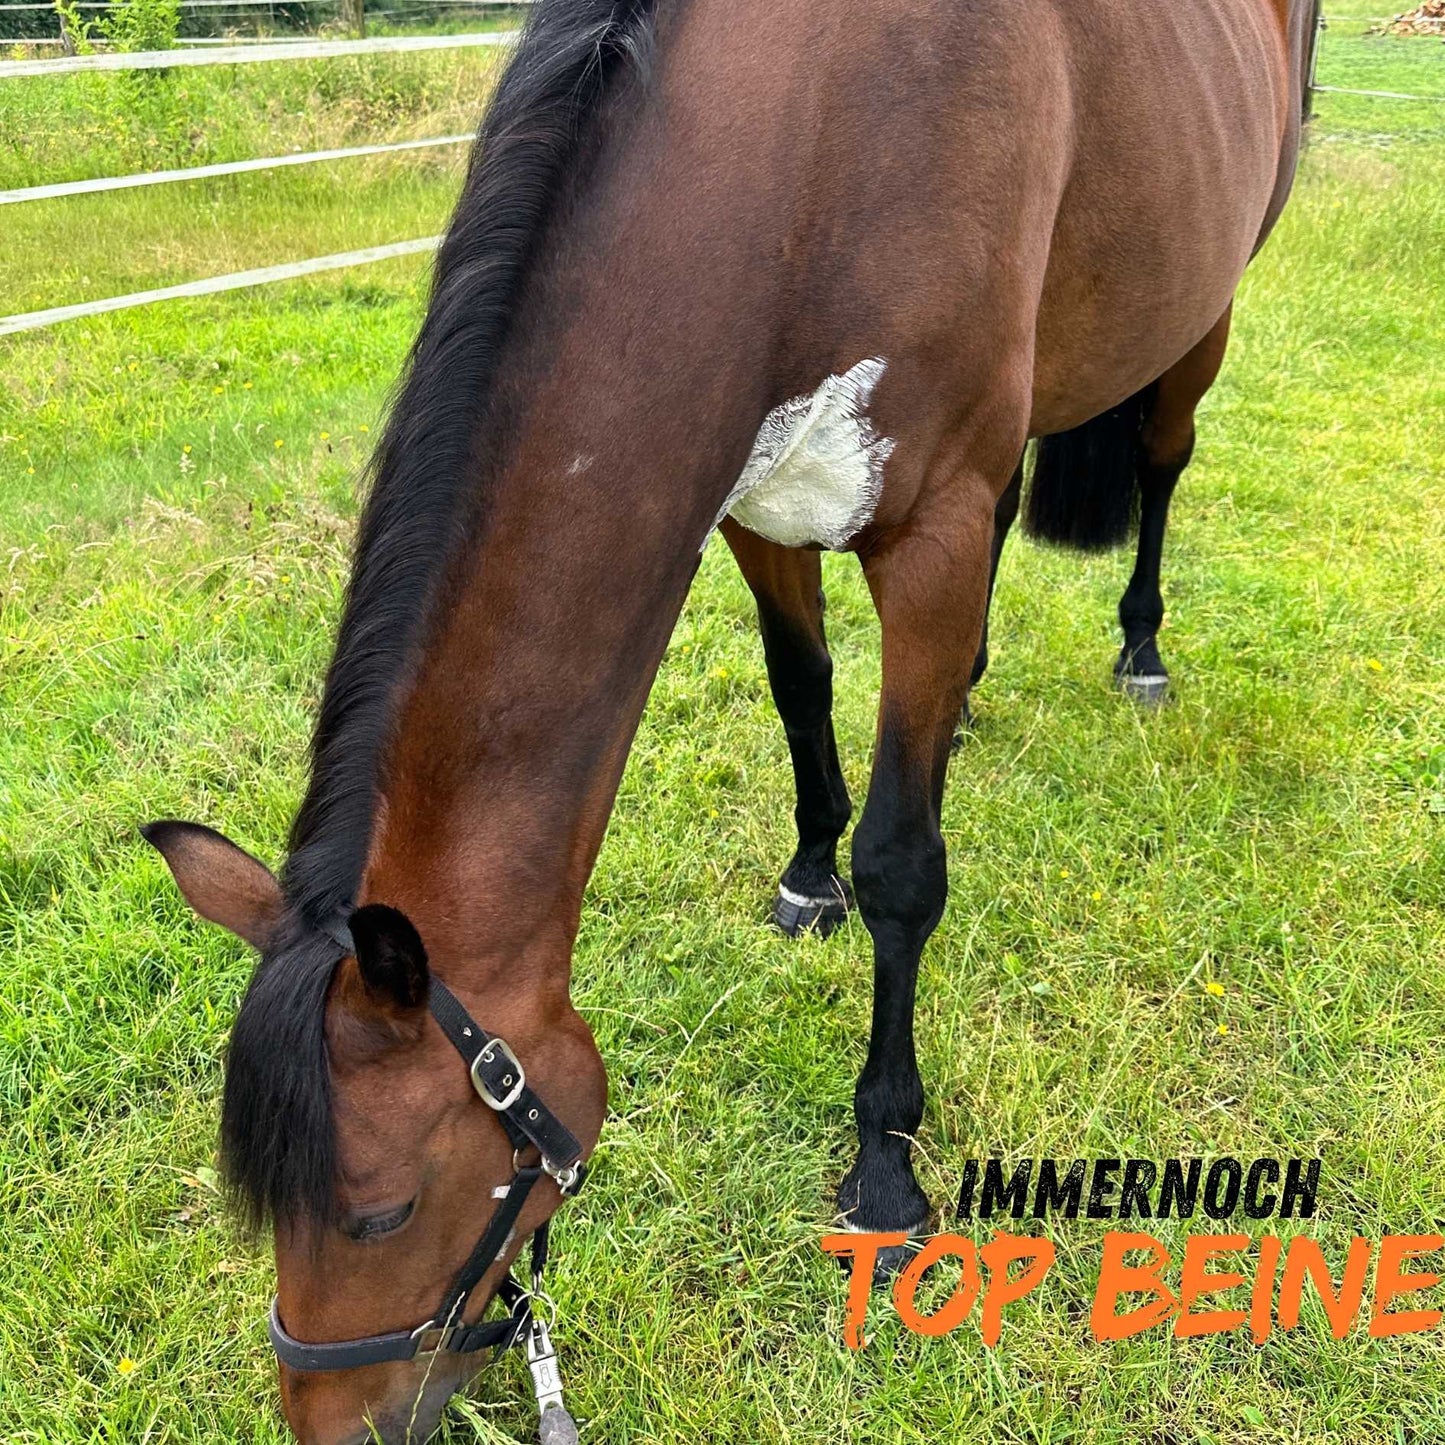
(810, 273)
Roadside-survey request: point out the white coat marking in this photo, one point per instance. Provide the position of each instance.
(801, 900)
(816, 469)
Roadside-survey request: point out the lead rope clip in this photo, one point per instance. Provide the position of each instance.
(554, 1425)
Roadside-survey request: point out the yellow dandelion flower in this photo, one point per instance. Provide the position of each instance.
(1063, 872)
(279, 442)
(187, 449)
(1374, 664)
(1214, 989)
(1097, 896)
(245, 386)
(1222, 1030)
(363, 427)
(217, 390)
(326, 436)
(126, 1366)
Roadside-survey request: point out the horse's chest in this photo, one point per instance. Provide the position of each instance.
(816, 469)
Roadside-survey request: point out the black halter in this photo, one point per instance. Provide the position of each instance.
(501, 1084)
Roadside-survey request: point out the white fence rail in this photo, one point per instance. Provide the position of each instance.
(262, 275)
(1377, 94)
(8, 7)
(235, 281)
(250, 54)
(220, 168)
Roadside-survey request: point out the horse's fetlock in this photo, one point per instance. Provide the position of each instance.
(880, 1192)
(1141, 615)
(889, 1112)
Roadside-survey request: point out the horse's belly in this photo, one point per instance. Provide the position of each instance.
(1152, 237)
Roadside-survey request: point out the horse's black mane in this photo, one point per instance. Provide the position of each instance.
(276, 1132)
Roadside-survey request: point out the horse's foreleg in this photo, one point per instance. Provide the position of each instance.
(1165, 446)
(930, 585)
(1004, 514)
(787, 585)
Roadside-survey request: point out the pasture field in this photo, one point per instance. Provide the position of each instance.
(176, 497)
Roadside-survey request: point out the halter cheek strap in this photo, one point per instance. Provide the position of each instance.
(501, 1083)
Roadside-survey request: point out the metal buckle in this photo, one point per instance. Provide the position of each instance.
(514, 1089)
(427, 1346)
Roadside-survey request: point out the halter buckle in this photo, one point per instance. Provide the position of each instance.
(513, 1081)
(432, 1338)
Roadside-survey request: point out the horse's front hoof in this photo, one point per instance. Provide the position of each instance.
(799, 913)
(892, 1259)
(1148, 689)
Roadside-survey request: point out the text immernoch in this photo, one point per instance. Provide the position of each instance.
(1140, 1189)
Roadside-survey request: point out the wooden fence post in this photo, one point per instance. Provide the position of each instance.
(67, 40)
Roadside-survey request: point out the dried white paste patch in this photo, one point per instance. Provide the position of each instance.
(816, 469)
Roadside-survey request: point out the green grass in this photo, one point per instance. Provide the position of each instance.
(1352, 58)
(1280, 830)
(73, 127)
(245, 221)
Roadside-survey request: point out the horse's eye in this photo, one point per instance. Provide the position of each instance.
(372, 1226)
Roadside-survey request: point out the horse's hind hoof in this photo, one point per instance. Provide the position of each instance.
(1148, 689)
(798, 913)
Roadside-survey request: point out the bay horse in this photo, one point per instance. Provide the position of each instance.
(810, 274)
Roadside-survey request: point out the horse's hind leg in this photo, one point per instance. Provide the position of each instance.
(1166, 442)
(787, 585)
(930, 584)
(1004, 514)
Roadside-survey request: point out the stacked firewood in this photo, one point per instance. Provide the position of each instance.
(1426, 19)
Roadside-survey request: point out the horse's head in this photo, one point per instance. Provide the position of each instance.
(353, 1121)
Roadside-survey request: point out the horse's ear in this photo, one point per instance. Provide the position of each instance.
(390, 957)
(222, 882)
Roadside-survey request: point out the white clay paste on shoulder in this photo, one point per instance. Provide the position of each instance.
(816, 469)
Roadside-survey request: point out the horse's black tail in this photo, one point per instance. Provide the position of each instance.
(1084, 492)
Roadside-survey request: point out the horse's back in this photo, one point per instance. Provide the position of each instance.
(1074, 187)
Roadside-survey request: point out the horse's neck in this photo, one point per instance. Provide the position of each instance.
(624, 410)
(510, 747)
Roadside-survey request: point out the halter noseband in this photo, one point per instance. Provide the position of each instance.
(501, 1083)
